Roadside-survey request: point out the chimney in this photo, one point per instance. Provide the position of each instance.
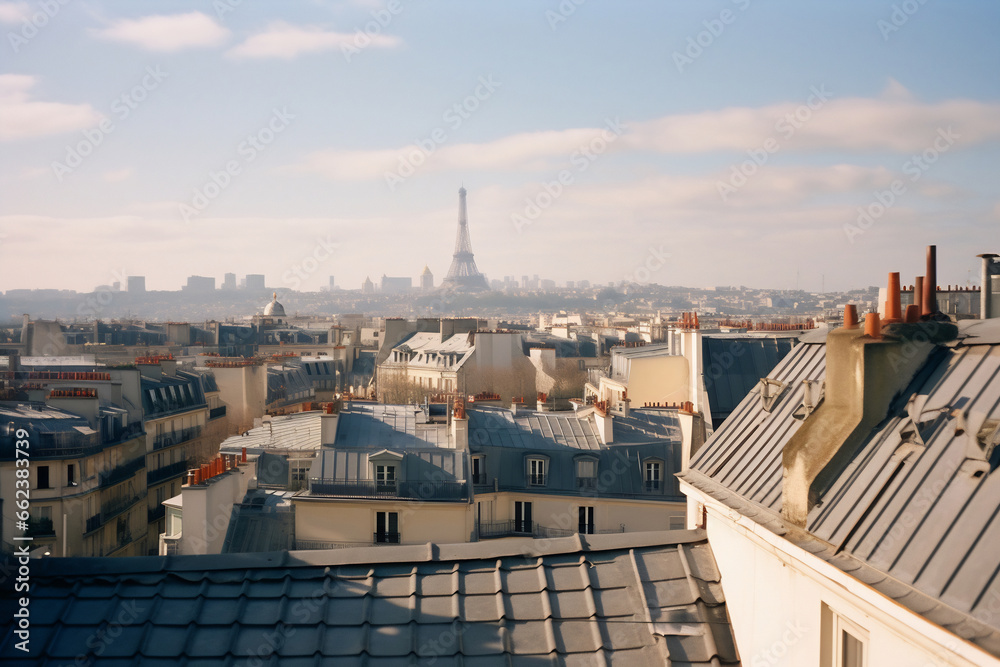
(918, 294)
(850, 316)
(893, 312)
(460, 428)
(328, 427)
(986, 293)
(605, 426)
(864, 374)
(928, 302)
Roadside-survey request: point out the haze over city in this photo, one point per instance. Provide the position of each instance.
(766, 144)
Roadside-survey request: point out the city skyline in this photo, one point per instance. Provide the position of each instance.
(248, 138)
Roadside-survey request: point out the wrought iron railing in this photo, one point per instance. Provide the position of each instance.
(166, 472)
(121, 471)
(422, 490)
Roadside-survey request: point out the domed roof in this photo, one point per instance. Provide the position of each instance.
(274, 309)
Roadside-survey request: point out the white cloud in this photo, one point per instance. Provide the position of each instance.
(893, 122)
(23, 118)
(166, 33)
(14, 12)
(285, 41)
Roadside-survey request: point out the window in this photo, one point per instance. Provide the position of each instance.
(522, 517)
(587, 520)
(586, 473)
(844, 643)
(43, 477)
(71, 475)
(386, 527)
(385, 477)
(652, 470)
(536, 472)
(478, 470)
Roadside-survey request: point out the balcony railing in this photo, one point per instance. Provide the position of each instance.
(156, 513)
(215, 413)
(536, 479)
(115, 507)
(385, 538)
(176, 437)
(361, 488)
(494, 529)
(316, 544)
(93, 523)
(121, 471)
(40, 528)
(586, 483)
(166, 472)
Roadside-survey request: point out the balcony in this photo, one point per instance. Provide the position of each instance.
(488, 530)
(156, 513)
(176, 437)
(166, 472)
(303, 545)
(371, 489)
(121, 472)
(586, 483)
(93, 523)
(537, 479)
(40, 528)
(115, 507)
(385, 538)
(215, 413)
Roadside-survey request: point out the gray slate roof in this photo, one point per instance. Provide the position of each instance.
(631, 599)
(388, 426)
(734, 364)
(925, 525)
(298, 431)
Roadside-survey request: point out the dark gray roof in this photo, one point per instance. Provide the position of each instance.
(629, 599)
(505, 441)
(264, 521)
(733, 365)
(388, 426)
(415, 465)
(925, 514)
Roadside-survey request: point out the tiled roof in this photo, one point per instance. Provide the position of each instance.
(630, 599)
(919, 500)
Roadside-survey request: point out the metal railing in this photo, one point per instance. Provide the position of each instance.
(93, 523)
(537, 479)
(496, 529)
(121, 472)
(166, 472)
(215, 413)
(155, 513)
(176, 437)
(586, 482)
(40, 528)
(305, 545)
(117, 506)
(423, 490)
(385, 538)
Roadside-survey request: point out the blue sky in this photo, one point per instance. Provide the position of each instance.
(744, 139)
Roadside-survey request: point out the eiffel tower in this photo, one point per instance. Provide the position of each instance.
(463, 275)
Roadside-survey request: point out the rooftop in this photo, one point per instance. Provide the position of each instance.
(915, 513)
(636, 598)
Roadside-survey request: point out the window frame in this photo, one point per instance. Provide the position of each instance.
(835, 626)
(650, 483)
(533, 477)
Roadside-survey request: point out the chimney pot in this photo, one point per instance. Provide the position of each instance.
(892, 304)
(850, 316)
(928, 305)
(873, 327)
(912, 314)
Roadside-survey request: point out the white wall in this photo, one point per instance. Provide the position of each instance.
(775, 597)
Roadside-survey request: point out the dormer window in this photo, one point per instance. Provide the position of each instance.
(586, 473)
(537, 468)
(653, 474)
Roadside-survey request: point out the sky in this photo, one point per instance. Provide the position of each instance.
(782, 144)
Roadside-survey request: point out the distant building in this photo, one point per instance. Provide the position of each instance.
(136, 284)
(464, 275)
(200, 284)
(426, 280)
(255, 281)
(333, 284)
(229, 282)
(395, 285)
(367, 287)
